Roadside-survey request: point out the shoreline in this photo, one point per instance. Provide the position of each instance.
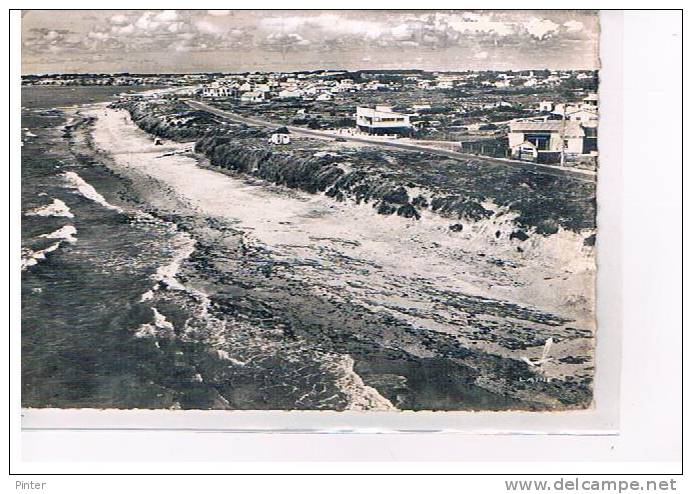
(289, 219)
(478, 236)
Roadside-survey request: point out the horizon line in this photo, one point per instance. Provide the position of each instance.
(308, 70)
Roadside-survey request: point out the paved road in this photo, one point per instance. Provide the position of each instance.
(581, 175)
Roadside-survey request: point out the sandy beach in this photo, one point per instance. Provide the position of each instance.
(387, 264)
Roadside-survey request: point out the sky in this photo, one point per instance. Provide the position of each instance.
(183, 41)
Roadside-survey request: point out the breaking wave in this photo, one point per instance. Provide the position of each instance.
(66, 233)
(160, 327)
(31, 258)
(88, 191)
(57, 208)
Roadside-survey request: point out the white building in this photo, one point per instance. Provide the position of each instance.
(324, 97)
(381, 120)
(498, 104)
(280, 137)
(546, 141)
(217, 91)
(587, 116)
(253, 96)
(290, 94)
(546, 106)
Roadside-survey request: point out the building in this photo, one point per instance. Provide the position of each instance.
(280, 136)
(546, 106)
(587, 117)
(498, 104)
(290, 94)
(590, 101)
(545, 142)
(324, 97)
(381, 120)
(253, 96)
(217, 91)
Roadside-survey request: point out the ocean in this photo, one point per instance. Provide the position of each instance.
(98, 275)
(136, 296)
(87, 257)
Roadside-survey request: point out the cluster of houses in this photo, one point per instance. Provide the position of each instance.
(116, 79)
(561, 131)
(551, 131)
(554, 134)
(256, 88)
(502, 80)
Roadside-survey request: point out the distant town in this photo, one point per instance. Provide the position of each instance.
(541, 116)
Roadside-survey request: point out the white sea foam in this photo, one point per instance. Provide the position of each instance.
(223, 354)
(87, 190)
(57, 208)
(359, 395)
(31, 258)
(160, 327)
(166, 274)
(148, 295)
(66, 233)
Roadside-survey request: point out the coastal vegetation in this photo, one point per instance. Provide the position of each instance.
(401, 182)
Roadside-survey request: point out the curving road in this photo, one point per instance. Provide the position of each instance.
(581, 175)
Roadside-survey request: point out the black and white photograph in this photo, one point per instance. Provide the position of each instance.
(317, 225)
(343, 221)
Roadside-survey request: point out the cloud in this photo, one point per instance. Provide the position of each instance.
(293, 38)
(162, 30)
(479, 24)
(402, 32)
(123, 30)
(332, 23)
(476, 36)
(146, 22)
(119, 20)
(52, 36)
(208, 27)
(439, 30)
(573, 26)
(41, 40)
(98, 36)
(284, 42)
(167, 16)
(541, 28)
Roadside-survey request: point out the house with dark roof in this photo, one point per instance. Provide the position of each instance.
(281, 136)
(546, 141)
